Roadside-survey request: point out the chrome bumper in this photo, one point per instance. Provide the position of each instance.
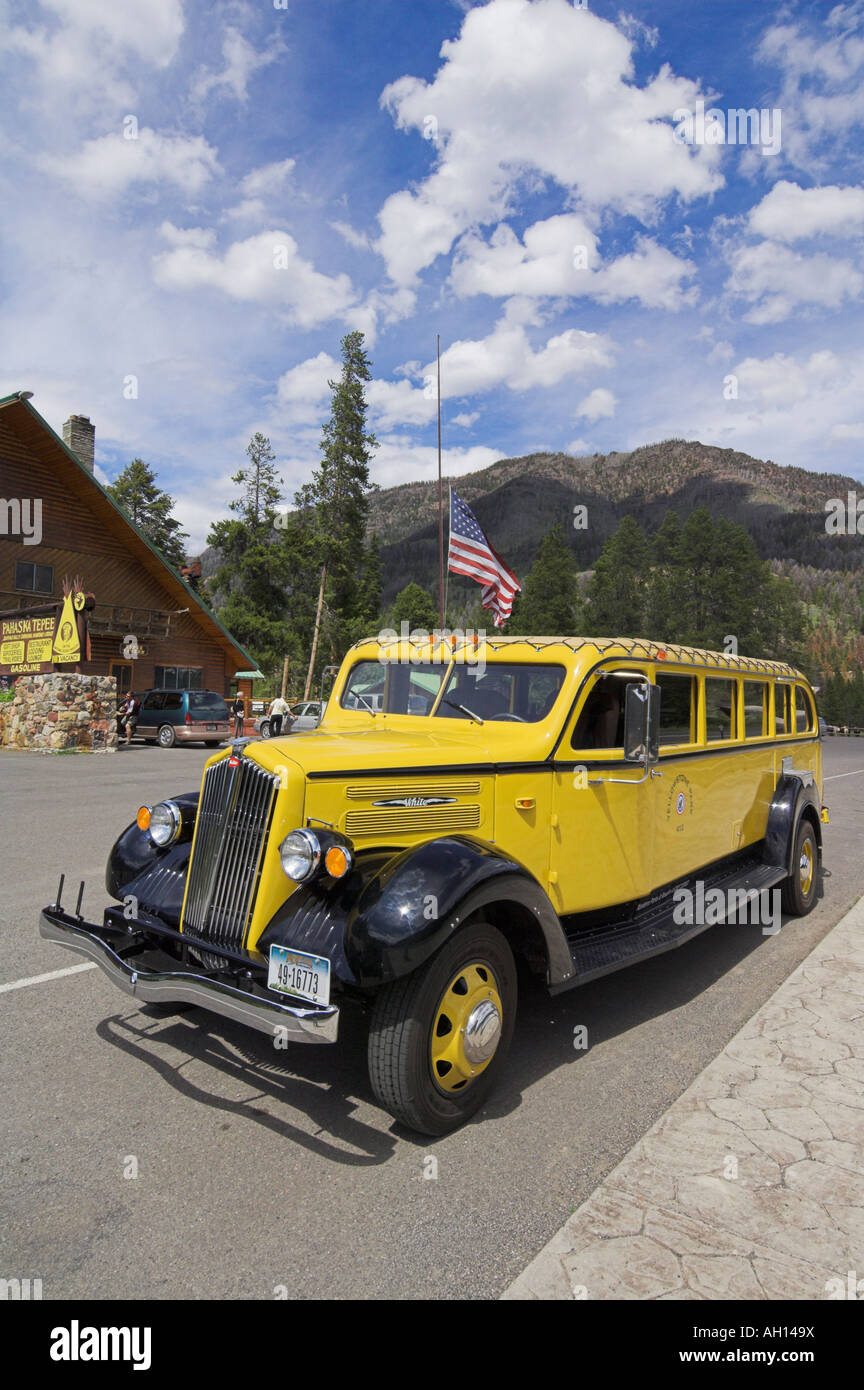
(298, 1024)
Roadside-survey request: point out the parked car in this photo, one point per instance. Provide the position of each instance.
(307, 714)
(183, 716)
(577, 804)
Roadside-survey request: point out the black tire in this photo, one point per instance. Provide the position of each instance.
(166, 738)
(401, 1032)
(799, 892)
(265, 729)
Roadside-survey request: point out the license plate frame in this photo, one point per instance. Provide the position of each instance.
(289, 971)
(210, 728)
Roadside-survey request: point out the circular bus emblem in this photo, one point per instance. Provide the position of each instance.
(680, 803)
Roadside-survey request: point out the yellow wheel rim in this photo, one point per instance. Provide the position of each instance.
(466, 1028)
(805, 866)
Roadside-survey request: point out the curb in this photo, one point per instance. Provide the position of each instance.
(751, 1186)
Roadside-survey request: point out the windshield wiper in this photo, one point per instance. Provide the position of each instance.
(465, 710)
(366, 703)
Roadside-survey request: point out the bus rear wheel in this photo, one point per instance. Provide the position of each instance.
(798, 893)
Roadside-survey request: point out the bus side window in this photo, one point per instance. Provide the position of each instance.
(601, 719)
(755, 709)
(677, 708)
(782, 708)
(804, 719)
(720, 714)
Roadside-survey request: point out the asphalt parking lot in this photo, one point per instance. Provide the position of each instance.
(183, 1157)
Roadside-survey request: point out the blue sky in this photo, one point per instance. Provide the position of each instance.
(199, 200)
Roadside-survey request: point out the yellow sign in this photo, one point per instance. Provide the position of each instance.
(67, 643)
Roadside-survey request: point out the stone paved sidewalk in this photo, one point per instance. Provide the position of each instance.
(752, 1184)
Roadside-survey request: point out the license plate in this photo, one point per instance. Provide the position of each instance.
(297, 973)
(209, 726)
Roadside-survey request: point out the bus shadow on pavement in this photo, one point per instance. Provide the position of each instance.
(324, 1092)
(328, 1083)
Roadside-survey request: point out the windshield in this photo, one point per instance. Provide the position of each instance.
(522, 693)
(391, 688)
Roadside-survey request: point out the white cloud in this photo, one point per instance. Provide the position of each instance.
(264, 269)
(651, 275)
(505, 357)
(560, 257)
(110, 164)
(792, 213)
(465, 419)
(79, 57)
(202, 237)
(777, 281)
(400, 460)
(543, 90)
(302, 391)
(268, 179)
(599, 405)
(545, 262)
(241, 61)
(359, 240)
(821, 82)
(577, 447)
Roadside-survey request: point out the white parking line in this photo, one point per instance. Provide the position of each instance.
(52, 975)
(835, 775)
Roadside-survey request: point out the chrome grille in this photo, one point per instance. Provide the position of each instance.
(233, 818)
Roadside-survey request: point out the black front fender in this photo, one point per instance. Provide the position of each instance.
(155, 877)
(394, 911)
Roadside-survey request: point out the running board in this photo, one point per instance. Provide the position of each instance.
(652, 930)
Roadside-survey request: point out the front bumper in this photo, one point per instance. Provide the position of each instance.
(132, 963)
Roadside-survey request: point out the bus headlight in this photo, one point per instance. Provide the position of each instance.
(300, 853)
(166, 821)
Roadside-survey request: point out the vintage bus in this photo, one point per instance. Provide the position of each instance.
(573, 802)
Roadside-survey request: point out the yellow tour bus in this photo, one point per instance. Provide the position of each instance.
(579, 803)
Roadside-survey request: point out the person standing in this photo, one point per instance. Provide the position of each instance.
(278, 710)
(130, 715)
(238, 709)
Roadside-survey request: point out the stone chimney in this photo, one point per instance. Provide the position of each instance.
(80, 436)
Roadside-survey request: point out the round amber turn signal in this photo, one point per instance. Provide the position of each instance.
(337, 861)
(143, 818)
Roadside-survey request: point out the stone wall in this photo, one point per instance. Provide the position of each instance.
(59, 712)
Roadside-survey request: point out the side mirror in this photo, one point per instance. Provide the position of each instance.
(641, 723)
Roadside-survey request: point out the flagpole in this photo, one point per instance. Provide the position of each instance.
(440, 502)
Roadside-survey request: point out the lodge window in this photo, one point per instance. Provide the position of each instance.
(34, 579)
(805, 721)
(720, 721)
(755, 709)
(678, 708)
(179, 677)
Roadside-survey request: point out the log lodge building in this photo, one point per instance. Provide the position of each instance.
(83, 533)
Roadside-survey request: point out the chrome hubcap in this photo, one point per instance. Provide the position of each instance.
(482, 1032)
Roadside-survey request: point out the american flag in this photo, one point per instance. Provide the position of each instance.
(470, 553)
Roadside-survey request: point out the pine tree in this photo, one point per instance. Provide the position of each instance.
(617, 590)
(416, 607)
(339, 493)
(250, 585)
(135, 491)
(547, 607)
